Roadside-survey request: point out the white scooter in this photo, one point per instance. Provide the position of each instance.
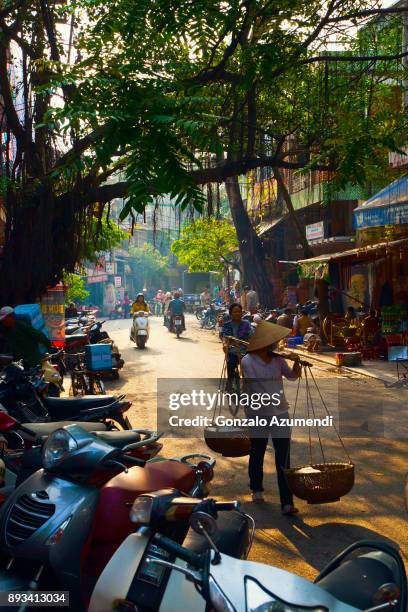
(140, 329)
(156, 569)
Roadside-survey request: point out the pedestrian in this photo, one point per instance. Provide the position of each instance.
(244, 299)
(236, 327)
(127, 303)
(71, 312)
(286, 319)
(252, 300)
(205, 297)
(263, 371)
(23, 339)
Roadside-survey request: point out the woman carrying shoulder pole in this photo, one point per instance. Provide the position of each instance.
(263, 372)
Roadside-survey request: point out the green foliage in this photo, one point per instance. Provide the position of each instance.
(148, 265)
(207, 245)
(141, 78)
(76, 291)
(101, 236)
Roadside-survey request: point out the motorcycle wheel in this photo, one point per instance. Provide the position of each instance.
(97, 386)
(79, 384)
(141, 342)
(210, 324)
(178, 333)
(199, 314)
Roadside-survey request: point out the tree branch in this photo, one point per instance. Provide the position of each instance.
(367, 13)
(12, 119)
(353, 58)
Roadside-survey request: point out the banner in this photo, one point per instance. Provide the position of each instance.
(395, 214)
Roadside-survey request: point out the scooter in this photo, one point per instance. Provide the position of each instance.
(21, 442)
(20, 394)
(353, 581)
(61, 526)
(137, 584)
(139, 332)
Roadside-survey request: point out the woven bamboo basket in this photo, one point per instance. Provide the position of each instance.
(328, 485)
(228, 441)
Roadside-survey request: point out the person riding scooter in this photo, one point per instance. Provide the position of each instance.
(140, 304)
(176, 307)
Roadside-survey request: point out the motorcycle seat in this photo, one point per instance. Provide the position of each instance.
(82, 402)
(42, 430)
(75, 336)
(118, 439)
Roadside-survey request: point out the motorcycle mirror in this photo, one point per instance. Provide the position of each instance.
(203, 523)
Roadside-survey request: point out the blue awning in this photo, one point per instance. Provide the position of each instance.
(387, 207)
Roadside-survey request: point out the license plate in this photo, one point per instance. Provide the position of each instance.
(177, 322)
(142, 332)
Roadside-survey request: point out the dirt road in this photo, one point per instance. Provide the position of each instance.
(374, 508)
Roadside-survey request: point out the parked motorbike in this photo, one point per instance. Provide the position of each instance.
(61, 526)
(21, 395)
(167, 514)
(139, 332)
(210, 316)
(218, 581)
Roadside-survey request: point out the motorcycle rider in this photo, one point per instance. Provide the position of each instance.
(176, 307)
(140, 304)
(24, 340)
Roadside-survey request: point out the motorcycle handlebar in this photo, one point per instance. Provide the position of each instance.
(192, 558)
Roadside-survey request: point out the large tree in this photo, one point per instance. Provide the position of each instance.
(168, 95)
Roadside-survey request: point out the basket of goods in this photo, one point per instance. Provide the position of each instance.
(319, 482)
(228, 440)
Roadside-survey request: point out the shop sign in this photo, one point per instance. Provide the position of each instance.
(110, 268)
(396, 214)
(52, 306)
(118, 281)
(97, 278)
(315, 231)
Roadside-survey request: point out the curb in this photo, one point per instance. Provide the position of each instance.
(355, 370)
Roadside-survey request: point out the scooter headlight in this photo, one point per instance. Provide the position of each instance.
(58, 446)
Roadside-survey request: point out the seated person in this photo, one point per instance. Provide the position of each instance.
(302, 324)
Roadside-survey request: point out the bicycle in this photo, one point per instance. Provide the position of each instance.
(83, 381)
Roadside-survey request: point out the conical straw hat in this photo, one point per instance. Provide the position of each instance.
(266, 334)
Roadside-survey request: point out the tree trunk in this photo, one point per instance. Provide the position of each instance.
(250, 246)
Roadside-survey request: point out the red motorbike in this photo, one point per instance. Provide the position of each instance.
(69, 518)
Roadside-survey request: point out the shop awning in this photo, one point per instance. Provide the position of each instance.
(366, 250)
(388, 207)
(268, 225)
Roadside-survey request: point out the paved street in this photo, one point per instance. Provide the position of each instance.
(374, 508)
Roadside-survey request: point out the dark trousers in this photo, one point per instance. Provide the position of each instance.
(282, 461)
